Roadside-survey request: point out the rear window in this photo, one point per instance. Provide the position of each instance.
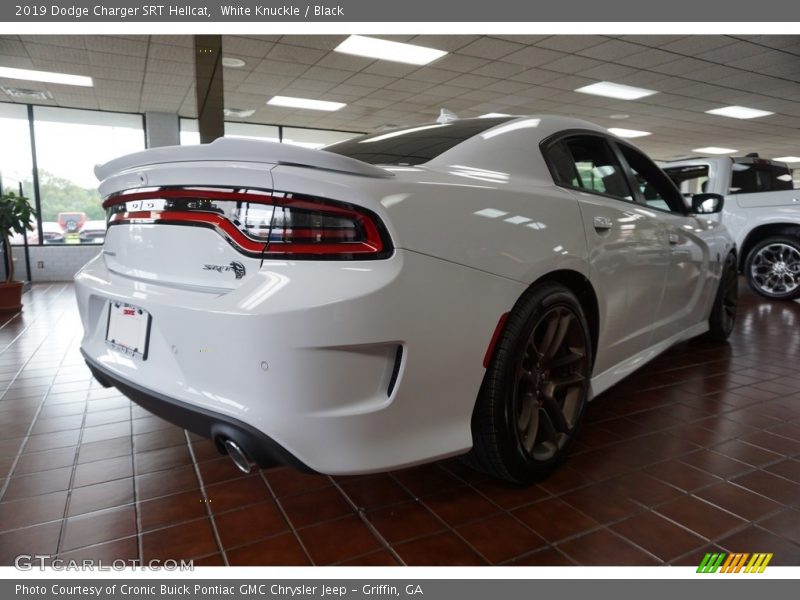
(691, 179)
(750, 178)
(413, 145)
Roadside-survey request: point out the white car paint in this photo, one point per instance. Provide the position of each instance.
(303, 350)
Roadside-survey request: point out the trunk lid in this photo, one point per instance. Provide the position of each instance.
(206, 216)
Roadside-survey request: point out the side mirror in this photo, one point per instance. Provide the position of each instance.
(707, 204)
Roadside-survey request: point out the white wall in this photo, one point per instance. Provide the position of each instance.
(59, 263)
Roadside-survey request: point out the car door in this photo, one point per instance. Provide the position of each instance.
(685, 296)
(628, 253)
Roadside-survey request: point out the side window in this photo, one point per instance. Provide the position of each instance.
(588, 162)
(752, 178)
(657, 190)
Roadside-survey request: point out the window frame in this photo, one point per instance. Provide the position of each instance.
(548, 143)
(640, 199)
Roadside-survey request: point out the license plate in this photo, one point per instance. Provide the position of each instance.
(128, 329)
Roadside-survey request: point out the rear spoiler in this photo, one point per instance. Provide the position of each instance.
(239, 150)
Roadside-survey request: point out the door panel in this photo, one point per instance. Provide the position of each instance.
(684, 300)
(628, 262)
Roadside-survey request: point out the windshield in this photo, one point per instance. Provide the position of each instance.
(413, 145)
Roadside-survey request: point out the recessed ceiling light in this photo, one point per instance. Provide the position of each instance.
(739, 112)
(309, 103)
(714, 150)
(234, 63)
(615, 90)
(492, 115)
(628, 133)
(619, 117)
(46, 76)
(787, 159)
(385, 50)
(242, 113)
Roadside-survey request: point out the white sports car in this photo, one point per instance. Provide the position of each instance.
(458, 287)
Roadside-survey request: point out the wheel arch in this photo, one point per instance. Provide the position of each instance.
(761, 233)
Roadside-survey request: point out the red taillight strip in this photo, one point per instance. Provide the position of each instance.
(229, 230)
(370, 247)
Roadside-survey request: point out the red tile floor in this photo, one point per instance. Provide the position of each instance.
(698, 451)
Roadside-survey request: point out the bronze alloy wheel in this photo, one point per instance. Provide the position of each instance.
(535, 388)
(552, 378)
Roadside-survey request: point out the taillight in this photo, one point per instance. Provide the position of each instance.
(258, 223)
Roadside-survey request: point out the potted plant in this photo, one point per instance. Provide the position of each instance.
(16, 216)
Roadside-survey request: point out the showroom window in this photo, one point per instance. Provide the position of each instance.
(69, 143)
(16, 164)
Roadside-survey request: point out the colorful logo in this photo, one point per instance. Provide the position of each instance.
(734, 563)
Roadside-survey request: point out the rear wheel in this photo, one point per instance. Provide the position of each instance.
(723, 313)
(535, 389)
(773, 268)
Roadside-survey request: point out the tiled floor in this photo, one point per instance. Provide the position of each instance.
(700, 450)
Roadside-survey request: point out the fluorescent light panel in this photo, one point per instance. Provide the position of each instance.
(412, 54)
(233, 62)
(46, 76)
(615, 90)
(308, 103)
(788, 159)
(628, 133)
(714, 150)
(739, 112)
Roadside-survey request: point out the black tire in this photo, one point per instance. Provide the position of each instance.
(723, 313)
(541, 368)
(779, 279)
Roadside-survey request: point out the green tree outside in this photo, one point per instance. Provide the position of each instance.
(62, 195)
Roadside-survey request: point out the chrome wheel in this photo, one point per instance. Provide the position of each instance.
(551, 381)
(775, 269)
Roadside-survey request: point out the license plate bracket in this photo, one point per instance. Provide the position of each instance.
(128, 329)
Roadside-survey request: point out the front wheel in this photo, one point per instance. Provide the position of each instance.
(723, 313)
(773, 268)
(535, 389)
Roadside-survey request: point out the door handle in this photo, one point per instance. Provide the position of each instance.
(602, 223)
(673, 238)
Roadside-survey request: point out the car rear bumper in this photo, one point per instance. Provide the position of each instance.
(302, 357)
(260, 448)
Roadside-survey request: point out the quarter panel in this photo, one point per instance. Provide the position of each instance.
(495, 222)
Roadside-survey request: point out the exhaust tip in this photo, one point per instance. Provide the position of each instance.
(238, 456)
